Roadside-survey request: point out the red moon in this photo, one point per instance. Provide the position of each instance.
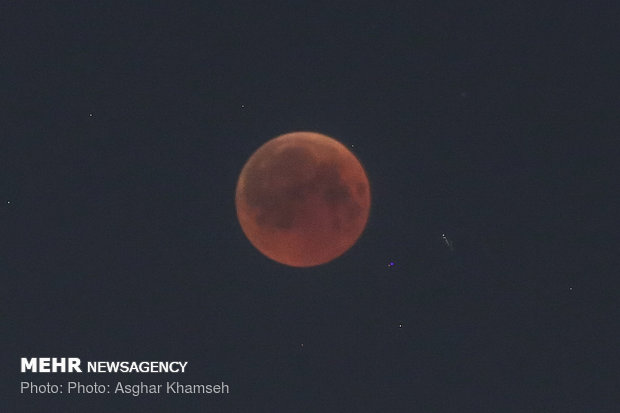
(303, 199)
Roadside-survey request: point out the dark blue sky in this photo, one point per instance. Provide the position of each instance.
(124, 128)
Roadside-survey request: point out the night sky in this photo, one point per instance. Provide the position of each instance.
(123, 130)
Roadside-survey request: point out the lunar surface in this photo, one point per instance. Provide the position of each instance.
(303, 199)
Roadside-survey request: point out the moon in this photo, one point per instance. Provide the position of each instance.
(303, 199)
